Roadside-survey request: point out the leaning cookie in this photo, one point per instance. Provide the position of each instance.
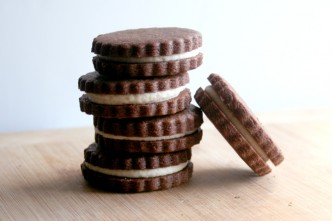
(135, 172)
(169, 133)
(134, 97)
(147, 52)
(226, 110)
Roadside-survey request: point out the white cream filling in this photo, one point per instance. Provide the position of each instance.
(162, 171)
(213, 94)
(118, 137)
(145, 98)
(173, 57)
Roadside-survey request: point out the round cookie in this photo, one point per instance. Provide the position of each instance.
(135, 172)
(134, 97)
(170, 106)
(147, 52)
(150, 135)
(155, 146)
(93, 82)
(136, 185)
(234, 120)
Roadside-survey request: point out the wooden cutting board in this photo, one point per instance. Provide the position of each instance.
(40, 178)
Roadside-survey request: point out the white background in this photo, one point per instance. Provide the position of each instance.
(276, 54)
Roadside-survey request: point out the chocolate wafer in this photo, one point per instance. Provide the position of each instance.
(226, 110)
(151, 135)
(171, 106)
(104, 158)
(136, 185)
(147, 52)
(243, 114)
(150, 146)
(135, 172)
(95, 83)
(132, 98)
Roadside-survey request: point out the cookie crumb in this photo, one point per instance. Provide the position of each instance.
(290, 204)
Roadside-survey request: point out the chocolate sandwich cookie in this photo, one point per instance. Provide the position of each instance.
(135, 172)
(150, 135)
(234, 120)
(134, 97)
(147, 52)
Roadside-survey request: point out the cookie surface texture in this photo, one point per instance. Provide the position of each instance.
(171, 106)
(135, 172)
(136, 185)
(246, 118)
(101, 157)
(237, 124)
(150, 146)
(147, 52)
(93, 82)
(151, 135)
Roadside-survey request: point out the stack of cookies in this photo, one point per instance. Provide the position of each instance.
(144, 123)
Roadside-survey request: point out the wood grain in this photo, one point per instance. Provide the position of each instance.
(40, 178)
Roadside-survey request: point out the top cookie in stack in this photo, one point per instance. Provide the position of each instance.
(144, 123)
(147, 52)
